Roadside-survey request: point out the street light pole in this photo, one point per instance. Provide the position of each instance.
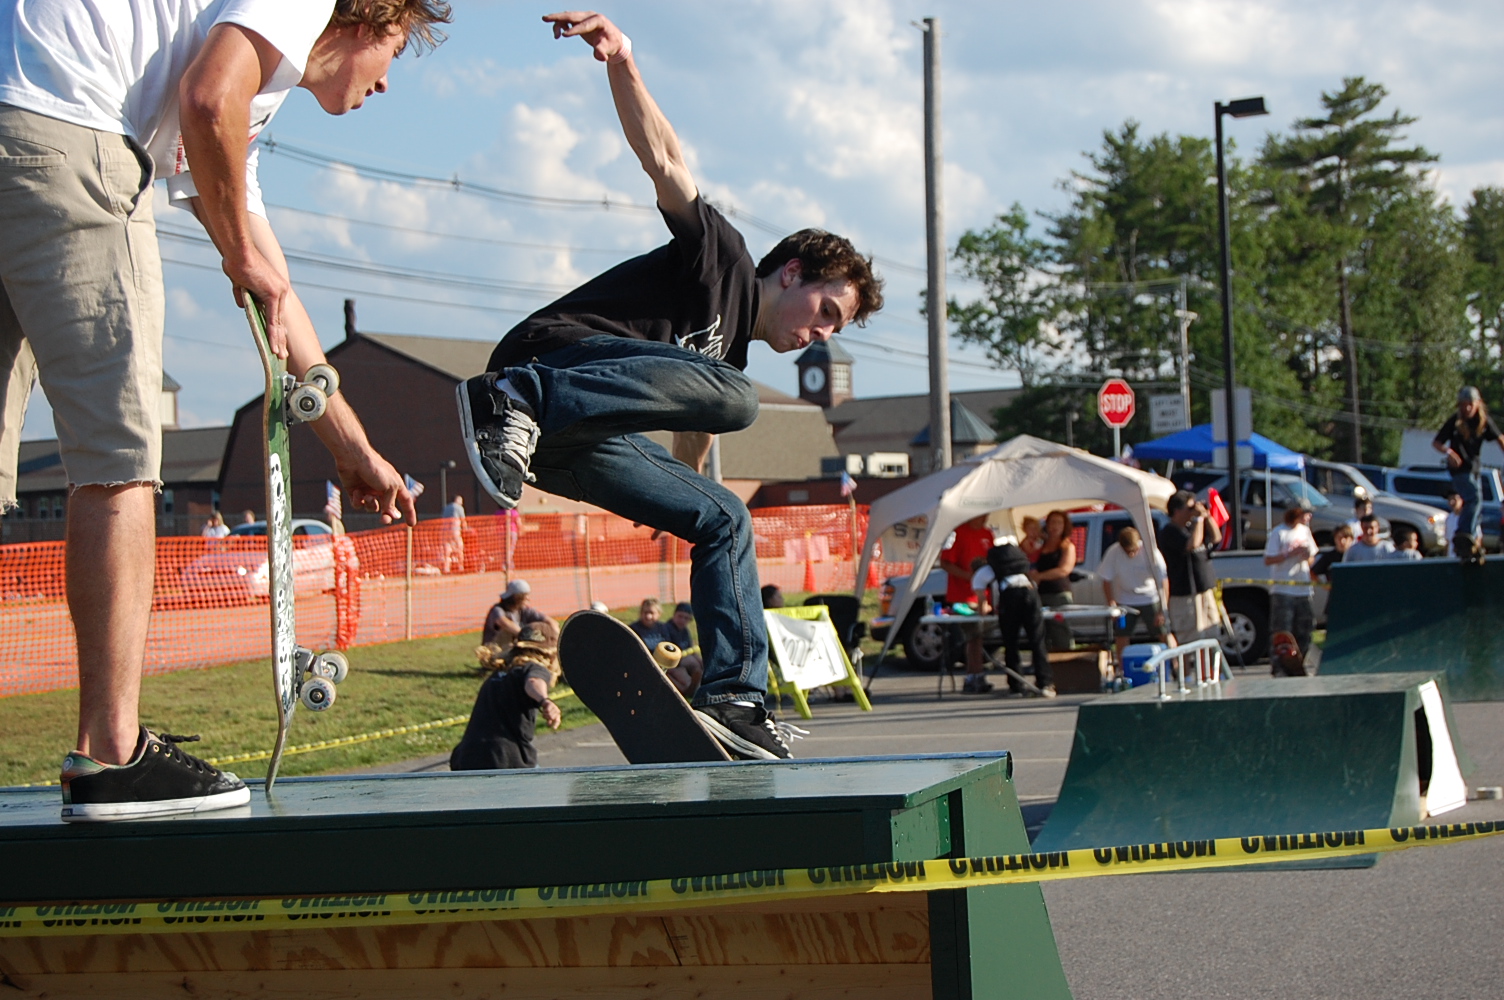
(934, 231)
(1245, 108)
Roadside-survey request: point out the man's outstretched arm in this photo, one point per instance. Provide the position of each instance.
(647, 131)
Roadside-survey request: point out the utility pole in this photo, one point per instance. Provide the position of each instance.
(934, 233)
(1186, 317)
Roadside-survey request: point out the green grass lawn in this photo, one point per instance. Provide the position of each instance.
(231, 707)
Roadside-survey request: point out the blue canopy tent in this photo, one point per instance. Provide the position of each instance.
(1195, 445)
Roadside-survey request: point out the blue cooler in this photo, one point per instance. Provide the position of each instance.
(1134, 658)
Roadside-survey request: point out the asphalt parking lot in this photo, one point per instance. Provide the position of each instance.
(1420, 923)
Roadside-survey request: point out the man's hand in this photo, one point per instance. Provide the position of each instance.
(374, 485)
(552, 715)
(255, 276)
(599, 33)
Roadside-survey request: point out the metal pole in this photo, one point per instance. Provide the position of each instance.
(1234, 486)
(1184, 315)
(407, 612)
(714, 461)
(1117, 443)
(934, 233)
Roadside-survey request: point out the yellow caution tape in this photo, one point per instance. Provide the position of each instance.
(343, 741)
(699, 892)
(1274, 583)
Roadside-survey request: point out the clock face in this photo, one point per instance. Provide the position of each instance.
(814, 379)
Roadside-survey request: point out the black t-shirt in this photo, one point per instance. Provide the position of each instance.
(1470, 448)
(1189, 573)
(1321, 569)
(500, 731)
(698, 291)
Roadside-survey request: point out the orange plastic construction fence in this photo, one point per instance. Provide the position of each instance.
(438, 578)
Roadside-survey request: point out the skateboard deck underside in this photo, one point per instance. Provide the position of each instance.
(613, 673)
(278, 535)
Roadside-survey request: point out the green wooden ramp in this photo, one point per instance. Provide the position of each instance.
(1436, 614)
(349, 840)
(1255, 757)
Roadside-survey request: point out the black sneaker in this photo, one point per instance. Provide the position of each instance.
(500, 435)
(976, 684)
(747, 732)
(160, 781)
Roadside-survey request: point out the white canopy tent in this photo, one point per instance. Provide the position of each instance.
(1022, 477)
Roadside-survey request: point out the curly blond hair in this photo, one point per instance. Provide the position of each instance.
(416, 18)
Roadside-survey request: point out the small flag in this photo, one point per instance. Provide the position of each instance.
(413, 486)
(334, 507)
(1217, 508)
(848, 485)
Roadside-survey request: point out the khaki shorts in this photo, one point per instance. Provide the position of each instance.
(81, 302)
(1194, 617)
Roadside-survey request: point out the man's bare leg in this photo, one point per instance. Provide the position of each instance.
(111, 565)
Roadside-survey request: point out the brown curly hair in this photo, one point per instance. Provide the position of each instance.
(828, 257)
(414, 17)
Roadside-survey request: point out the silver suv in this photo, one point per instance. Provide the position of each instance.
(1340, 482)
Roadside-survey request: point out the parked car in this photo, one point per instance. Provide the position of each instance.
(1339, 483)
(238, 573)
(925, 645)
(1429, 486)
(1285, 490)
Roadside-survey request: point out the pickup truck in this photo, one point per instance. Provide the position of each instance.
(1247, 603)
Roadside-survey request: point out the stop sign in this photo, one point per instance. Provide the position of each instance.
(1115, 404)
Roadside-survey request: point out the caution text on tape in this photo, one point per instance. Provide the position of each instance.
(700, 892)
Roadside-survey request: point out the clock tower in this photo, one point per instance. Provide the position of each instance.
(824, 374)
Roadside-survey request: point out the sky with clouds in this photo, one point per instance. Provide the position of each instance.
(794, 113)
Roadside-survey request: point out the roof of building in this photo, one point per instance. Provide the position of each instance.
(965, 428)
(889, 423)
(188, 456)
(460, 359)
(820, 351)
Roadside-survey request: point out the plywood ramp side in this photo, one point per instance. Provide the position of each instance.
(756, 982)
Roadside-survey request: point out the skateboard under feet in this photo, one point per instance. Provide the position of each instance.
(299, 674)
(616, 677)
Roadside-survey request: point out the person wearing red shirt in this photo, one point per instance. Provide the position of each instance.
(966, 550)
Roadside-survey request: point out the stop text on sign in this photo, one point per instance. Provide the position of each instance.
(1115, 403)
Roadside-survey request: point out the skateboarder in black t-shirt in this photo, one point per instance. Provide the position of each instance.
(659, 343)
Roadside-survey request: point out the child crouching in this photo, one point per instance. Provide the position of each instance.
(500, 731)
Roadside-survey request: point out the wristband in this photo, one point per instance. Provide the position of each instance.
(622, 53)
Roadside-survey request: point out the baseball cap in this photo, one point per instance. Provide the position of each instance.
(516, 587)
(1469, 394)
(533, 637)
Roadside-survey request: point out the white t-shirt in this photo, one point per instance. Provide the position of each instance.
(115, 66)
(1298, 546)
(1134, 582)
(1358, 552)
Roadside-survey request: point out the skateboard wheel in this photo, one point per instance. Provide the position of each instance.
(667, 655)
(316, 694)
(323, 376)
(308, 402)
(332, 666)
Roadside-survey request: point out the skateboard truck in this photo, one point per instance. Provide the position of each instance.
(309, 399)
(318, 673)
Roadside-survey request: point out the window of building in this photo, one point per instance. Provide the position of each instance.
(167, 501)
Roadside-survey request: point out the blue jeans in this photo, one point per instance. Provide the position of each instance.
(594, 400)
(1469, 486)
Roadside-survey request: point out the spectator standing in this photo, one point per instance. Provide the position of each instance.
(1015, 599)
(1461, 440)
(215, 527)
(1369, 546)
(508, 615)
(1134, 576)
(1033, 539)
(1187, 543)
(1288, 555)
(1454, 524)
(454, 536)
(500, 731)
(248, 517)
(1342, 540)
(968, 544)
(1052, 575)
(1407, 547)
(1362, 506)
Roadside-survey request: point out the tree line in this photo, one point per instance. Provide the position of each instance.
(1361, 299)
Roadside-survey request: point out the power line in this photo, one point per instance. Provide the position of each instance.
(312, 158)
(447, 236)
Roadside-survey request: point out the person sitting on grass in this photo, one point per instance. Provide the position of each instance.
(1369, 546)
(649, 620)
(500, 731)
(687, 675)
(512, 611)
